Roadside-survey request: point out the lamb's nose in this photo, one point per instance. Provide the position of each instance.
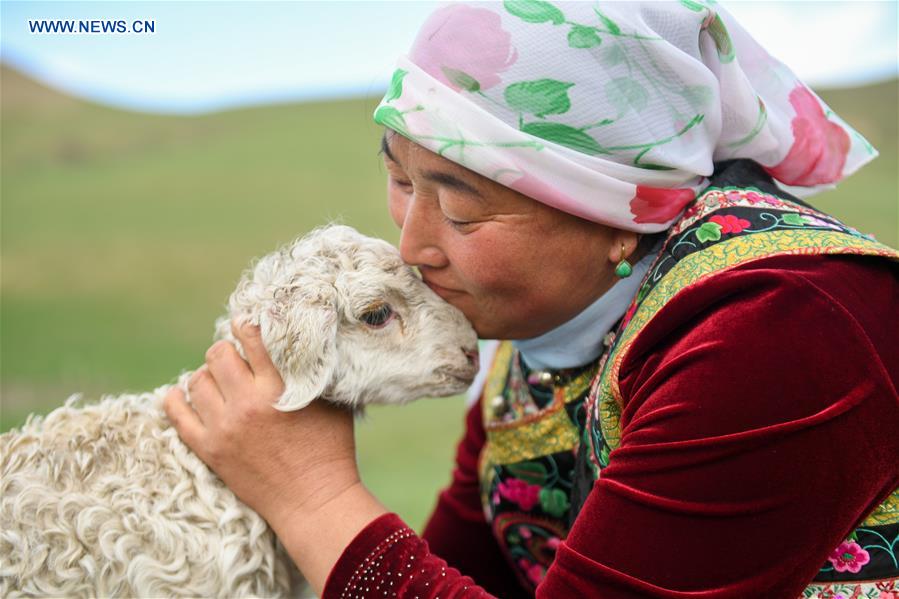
(472, 355)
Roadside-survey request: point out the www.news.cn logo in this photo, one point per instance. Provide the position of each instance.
(91, 26)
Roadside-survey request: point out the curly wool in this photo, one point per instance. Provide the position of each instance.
(105, 500)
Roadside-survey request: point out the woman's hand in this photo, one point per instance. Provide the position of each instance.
(293, 468)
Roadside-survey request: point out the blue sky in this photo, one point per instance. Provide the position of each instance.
(211, 55)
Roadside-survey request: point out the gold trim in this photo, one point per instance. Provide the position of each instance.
(711, 261)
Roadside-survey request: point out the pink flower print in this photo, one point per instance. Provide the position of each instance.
(733, 196)
(888, 595)
(553, 543)
(524, 564)
(536, 573)
(849, 556)
(524, 532)
(461, 43)
(730, 223)
(753, 198)
(517, 491)
(659, 205)
(819, 146)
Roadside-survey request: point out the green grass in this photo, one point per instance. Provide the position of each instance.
(123, 233)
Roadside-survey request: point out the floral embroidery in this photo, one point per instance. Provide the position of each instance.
(849, 557)
(753, 197)
(819, 149)
(730, 223)
(554, 502)
(529, 543)
(527, 494)
(696, 248)
(536, 574)
(520, 492)
(527, 466)
(464, 47)
(888, 589)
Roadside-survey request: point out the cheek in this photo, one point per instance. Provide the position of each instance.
(489, 269)
(396, 204)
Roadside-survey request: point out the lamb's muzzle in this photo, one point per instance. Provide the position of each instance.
(105, 500)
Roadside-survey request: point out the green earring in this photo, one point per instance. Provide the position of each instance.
(624, 269)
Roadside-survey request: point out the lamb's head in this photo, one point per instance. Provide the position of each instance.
(345, 319)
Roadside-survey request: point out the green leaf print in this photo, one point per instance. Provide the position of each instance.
(722, 40)
(535, 11)
(583, 37)
(708, 232)
(611, 55)
(530, 472)
(698, 96)
(396, 85)
(613, 28)
(625, 93)
(554, 502)
(461, 79)
(540, 97)
(791, 218)
(389, 116)
(564, 136)
(694, 6)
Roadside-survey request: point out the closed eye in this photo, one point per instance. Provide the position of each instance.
(405, 185)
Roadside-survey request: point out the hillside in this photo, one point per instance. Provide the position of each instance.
(123, 233)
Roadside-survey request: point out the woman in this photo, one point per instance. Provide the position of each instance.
(701, 392)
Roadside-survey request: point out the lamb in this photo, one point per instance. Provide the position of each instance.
(105, 500)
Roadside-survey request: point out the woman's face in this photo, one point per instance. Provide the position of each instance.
(515, 267)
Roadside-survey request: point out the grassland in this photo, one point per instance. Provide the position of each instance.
(123, 233)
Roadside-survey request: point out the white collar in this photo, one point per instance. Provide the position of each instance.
(579, 341)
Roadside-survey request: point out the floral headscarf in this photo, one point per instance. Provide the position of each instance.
(612, 111)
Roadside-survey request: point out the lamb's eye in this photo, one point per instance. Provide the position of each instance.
(377, 316)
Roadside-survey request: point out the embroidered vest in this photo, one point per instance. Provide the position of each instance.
(533, 480)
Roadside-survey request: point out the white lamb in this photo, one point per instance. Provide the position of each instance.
(104, 499)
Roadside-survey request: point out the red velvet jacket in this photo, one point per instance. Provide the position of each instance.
(692, 501)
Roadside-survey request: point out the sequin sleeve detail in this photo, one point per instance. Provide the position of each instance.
(387, 559)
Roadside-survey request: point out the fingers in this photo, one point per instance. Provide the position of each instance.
(232, 375)
(251, 339)
(205, 395)
(182, 417)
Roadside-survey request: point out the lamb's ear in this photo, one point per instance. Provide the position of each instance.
(305, 351)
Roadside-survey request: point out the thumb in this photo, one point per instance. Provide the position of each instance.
(250, 337)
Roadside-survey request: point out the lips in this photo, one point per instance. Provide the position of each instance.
(439, 289)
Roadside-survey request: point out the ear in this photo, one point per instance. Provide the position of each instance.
(303, 334)
(623, 244)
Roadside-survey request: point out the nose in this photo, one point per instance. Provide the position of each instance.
(419, 237)
(472, 355)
